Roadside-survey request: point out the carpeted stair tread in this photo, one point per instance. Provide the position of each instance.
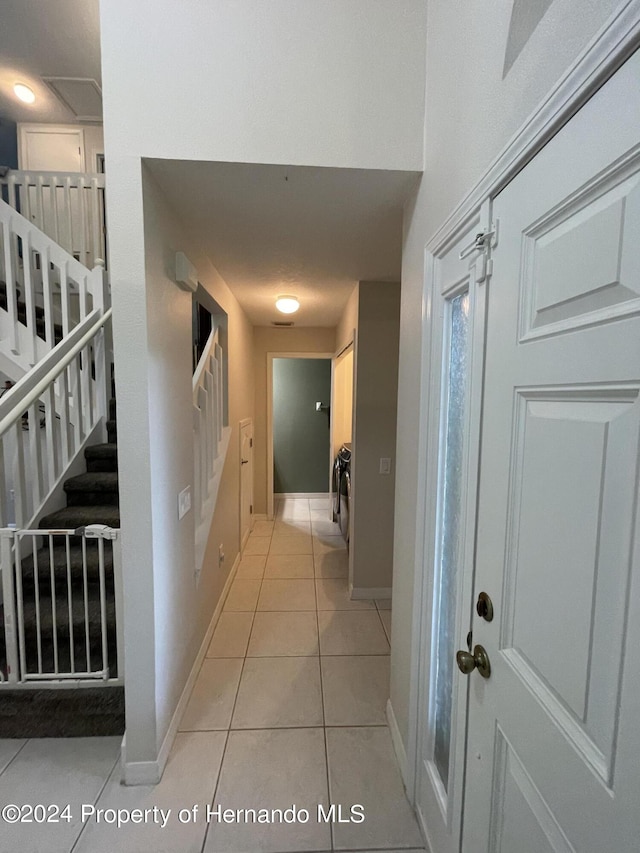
(92, 498)
(71, 712)
(108, 450)
(80, 663)
(21, 314)
(75, 563)
(102, 457)
(97, 481)
(62, 616)
(92, 488)
(72, 517)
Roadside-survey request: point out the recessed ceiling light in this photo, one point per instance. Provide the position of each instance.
(287, 304)
(24, 93)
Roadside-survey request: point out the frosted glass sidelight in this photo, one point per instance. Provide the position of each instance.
(449, 532)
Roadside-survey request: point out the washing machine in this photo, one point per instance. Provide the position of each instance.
(342, 461)
(342, 488)
(345, 503)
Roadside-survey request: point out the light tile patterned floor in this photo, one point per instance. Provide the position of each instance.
(288, 709)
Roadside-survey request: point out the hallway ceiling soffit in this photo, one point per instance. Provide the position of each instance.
(310, 231)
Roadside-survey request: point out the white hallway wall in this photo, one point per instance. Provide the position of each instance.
(292, 81)
(166, 612)
(325, 83)
(472, 111)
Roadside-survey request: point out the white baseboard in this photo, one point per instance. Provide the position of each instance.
(396, 740)
(368, 592)
(301, 495)
(259, 516)
(150, 772)
(245, 538)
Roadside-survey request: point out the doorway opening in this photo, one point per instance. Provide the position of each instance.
(299, 420)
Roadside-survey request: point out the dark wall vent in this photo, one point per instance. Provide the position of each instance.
(283, 323)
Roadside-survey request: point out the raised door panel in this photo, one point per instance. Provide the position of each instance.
(578, 264)
(553, 751)
(570, 531)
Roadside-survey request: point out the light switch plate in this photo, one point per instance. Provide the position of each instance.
(385, 465)
(184, 502)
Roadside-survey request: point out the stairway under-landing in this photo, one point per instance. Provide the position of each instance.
(85, 710)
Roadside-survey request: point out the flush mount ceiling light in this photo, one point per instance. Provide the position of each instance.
(287, 304)
(24, 93)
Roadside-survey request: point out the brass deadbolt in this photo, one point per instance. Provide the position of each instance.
(484, 607)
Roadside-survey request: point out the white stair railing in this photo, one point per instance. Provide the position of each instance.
(67, 206)
(44, 291)
(207, 422)
(48, 416)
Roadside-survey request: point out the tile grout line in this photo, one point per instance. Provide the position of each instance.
(320, 659)
(10, 762)
(384, 627)
(216, 786)
(290, 728)
(95, 803)
(233, 709)
(324, 714)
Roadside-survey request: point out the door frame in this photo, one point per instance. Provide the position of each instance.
(245, 422)
(449, 807)
(602, 57)
(270, 357)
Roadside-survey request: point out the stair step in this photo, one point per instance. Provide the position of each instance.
(92, 498)
(92, 489)
(62, 614)
(41, 328)
(101, 457)
(46, 660)
(75, 567)
(21, 311)
(72, 517)
(84, 712)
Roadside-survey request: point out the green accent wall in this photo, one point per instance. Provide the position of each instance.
(300, 434)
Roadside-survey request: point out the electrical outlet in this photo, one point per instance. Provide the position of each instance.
(184, 502)
(385, 465)
(220, 555)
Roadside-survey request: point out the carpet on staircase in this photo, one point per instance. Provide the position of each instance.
(21, 313)
(48, 576)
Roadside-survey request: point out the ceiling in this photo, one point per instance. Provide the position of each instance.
(307, 231)
(56, 38)
(313, 232)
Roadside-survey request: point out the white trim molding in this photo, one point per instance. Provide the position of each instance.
(244, 537)
(270, 356)
(396, 739)
(606, 52)
(368, 593)
(150, 772)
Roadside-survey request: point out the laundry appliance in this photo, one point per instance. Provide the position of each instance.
(342, 489)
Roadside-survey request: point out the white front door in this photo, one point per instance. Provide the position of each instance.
(553, 748)
(246, 479)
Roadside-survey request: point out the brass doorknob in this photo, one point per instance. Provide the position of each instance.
(479, 660)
